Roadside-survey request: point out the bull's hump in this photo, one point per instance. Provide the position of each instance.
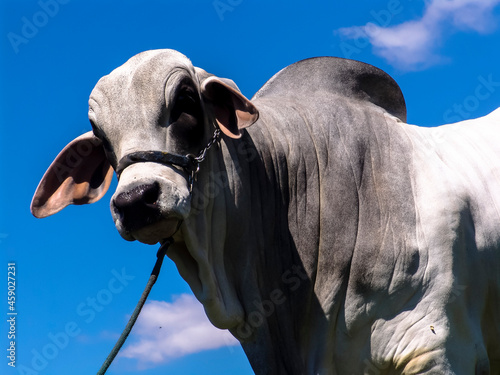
(350, 78)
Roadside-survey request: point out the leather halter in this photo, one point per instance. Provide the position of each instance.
(189, 163)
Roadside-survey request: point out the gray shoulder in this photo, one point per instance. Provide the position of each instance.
(349, 78)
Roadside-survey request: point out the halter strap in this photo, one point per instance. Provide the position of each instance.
(189, 162)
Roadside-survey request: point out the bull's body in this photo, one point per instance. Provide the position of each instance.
(397, 228)
(333, 238)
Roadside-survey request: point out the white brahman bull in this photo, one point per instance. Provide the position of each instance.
(329, 237)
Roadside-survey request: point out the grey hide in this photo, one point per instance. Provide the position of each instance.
(331, 237)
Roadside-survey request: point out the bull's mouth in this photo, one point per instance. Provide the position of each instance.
(153, 232)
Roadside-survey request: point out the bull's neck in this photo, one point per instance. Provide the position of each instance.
(292, 205)
(274, 248)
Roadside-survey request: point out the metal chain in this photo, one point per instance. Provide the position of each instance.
(203, 153)
(201, 156)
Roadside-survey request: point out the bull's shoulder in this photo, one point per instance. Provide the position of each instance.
(349, 78)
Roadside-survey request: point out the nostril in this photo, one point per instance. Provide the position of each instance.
(151, 194)
(138, 207)
(141, 194)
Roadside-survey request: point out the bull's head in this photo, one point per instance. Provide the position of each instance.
(154, 104)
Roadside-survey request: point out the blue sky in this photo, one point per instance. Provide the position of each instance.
(76, 279)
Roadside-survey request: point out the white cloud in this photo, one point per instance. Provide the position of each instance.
(412, 45)
(170, 330)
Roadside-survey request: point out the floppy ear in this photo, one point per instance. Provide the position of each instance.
(232, 110)
(80, 174)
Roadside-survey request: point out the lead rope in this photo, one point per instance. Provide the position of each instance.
(152, 279)
(156, 157)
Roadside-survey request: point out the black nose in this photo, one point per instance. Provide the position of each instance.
(138, 207)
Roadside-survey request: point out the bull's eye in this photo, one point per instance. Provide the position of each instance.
(186, 120)
(102, 137)
(105, 143)
(185, 105)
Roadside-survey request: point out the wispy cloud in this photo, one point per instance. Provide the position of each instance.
(413, 44)
(170, 330)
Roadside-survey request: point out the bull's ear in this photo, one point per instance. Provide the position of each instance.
(232, 110)
(80, 174)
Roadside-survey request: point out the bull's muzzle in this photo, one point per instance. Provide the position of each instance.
(150, 202)
(138, 207)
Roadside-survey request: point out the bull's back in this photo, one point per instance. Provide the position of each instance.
(465, 160)
(457, 193)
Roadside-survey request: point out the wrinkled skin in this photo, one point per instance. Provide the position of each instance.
(326, 234)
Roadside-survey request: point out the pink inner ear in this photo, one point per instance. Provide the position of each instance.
(222, 116)
(227, 132)
(245, 119)
(80, 174)
(225, 99)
